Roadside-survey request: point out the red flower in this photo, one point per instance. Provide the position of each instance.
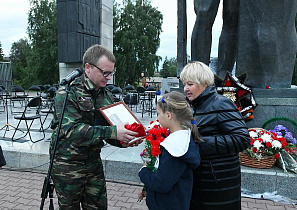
(155, 136)
(155, 150)
(155, 142)
(273, 135)
(254, 150)
(268, 144)
(156, 126)
(252, 140)
(283, 141)
(276, 156)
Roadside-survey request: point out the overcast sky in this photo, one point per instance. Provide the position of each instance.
(14, 16)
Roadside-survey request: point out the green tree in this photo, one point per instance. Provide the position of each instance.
(169, 68)
(18, 56)
(164, 72)
(172, 67)
(42, 31)
(137, 29)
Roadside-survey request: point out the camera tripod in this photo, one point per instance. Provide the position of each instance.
(7, 125)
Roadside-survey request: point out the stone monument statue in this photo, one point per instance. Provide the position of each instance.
(206, 11)
(78, 28)
(260, 36)
(80, 25)
(181, 35)
(267, 42)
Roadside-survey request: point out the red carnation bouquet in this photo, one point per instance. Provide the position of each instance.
(152, 144)
(155, 136)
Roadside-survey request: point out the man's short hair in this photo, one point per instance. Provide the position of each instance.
(95, 52)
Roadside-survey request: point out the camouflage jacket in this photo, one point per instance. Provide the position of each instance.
(83, 127)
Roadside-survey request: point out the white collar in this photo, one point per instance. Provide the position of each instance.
(177, 143)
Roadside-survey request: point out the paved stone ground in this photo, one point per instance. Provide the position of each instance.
(21, 189)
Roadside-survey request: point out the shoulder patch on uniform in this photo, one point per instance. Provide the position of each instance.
(81, 98)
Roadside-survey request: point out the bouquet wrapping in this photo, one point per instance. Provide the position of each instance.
(287, 157)
(136, 127)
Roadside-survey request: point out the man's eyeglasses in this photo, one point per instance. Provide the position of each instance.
(105, 73)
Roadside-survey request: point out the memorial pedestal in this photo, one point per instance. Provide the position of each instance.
(281, 102)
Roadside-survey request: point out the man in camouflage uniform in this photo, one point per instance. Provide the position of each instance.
(77, 168)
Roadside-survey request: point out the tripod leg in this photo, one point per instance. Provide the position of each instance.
(47, 190)
(51, 196)
(6, 129)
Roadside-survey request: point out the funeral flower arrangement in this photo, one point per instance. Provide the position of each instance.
(282, 131)
(277, 144)
(288, 157)
(265, 143)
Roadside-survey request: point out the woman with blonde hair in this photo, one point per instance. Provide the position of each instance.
(217, 181)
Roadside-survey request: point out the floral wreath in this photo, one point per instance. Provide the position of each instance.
(233, 88)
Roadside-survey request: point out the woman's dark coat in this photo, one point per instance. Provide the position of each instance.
(217, 181)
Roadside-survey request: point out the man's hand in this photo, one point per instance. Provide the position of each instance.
(134, 142)
(124, 134)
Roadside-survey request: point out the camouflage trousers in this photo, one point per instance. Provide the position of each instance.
(80, 183)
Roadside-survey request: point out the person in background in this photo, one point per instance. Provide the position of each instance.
(143, 80)
(77, 168)
(217, 181)
(170, 186)
(2, 159)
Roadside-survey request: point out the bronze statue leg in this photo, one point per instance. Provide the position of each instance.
(206, 11)
(228, 43)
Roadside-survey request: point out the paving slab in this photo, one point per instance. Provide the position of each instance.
(21, 189)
